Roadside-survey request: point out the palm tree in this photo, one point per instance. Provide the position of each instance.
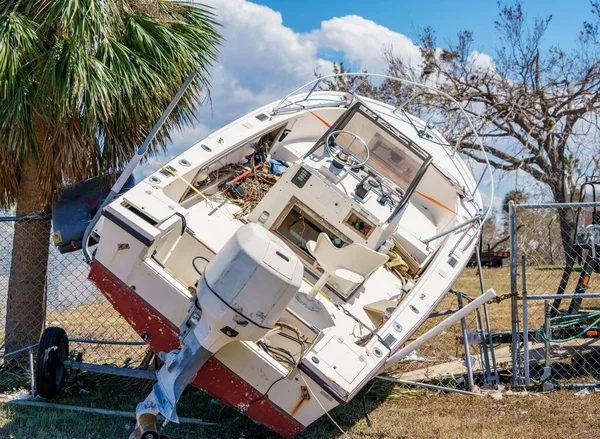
(81, 82)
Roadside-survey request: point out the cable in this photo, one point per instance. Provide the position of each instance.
(280, 354)
(195, 189)
(267, 392)
(194, 264)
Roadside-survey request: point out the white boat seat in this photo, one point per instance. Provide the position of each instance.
(354, 262)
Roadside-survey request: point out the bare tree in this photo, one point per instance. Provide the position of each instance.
(536, 109)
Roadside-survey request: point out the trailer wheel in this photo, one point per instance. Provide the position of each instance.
(53, 351)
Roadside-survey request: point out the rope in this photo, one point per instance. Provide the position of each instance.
(195, 189)
(324, 409)
(567, 321)
(317, 289)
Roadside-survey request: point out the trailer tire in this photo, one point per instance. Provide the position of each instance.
(53, 351)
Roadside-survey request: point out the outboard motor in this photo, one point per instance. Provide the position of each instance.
(244, 290)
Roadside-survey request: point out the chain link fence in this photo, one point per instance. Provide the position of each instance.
(504, 342)
(40, 287)
(556, 320)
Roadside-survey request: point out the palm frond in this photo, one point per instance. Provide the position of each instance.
(100, 72)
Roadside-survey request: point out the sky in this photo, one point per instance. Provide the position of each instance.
(272, 47)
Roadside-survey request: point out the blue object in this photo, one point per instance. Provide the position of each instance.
(277, 166)
(78, 204)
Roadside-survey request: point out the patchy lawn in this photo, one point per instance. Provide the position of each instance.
(408, 414)
(393, 412)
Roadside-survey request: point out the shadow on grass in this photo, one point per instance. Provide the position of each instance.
(117, 393)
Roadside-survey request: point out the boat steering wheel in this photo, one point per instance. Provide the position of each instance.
(342, 154)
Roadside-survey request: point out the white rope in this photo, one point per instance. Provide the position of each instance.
(324, 409)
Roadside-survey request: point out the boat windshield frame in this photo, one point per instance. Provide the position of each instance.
(401, 139)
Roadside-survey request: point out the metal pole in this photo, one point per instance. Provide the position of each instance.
(593, 204)
(108, 342)
(487, 316)
(101, 411)
(484, 351)
(452, 229)
(137, 158)
(525, 322)
(440, 327)
(110, 370)
(562, 296)
(547, 375)
(8, 354)
(513, 289)
(31, 372)
(463, 323)
(429, 386)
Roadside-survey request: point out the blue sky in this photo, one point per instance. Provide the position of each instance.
(272, 47)
(445, 16)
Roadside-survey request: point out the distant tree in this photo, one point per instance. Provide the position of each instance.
(516, 196)
(81, 83)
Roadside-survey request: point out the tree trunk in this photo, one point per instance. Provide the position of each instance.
(567, 230)
(26, 302)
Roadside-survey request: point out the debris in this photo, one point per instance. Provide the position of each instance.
(414, 357)
(495, 395)
(20, 395)
(583, 392)
(473, 361)
(511, 393)
(84, 392)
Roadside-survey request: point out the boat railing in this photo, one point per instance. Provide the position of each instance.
(303, 100)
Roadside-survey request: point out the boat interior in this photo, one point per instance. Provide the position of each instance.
(343, 188)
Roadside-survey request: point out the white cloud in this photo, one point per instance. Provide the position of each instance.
(362, 41)
(262, 60)
(481, 61)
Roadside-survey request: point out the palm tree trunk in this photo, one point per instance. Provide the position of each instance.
(26, 302)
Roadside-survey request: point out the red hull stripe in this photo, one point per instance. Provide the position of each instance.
(214, 378)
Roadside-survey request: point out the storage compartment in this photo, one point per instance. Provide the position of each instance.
(298, 225)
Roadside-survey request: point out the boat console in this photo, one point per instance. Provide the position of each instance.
(352, 185)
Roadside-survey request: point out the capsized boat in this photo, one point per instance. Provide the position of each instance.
(281, 262)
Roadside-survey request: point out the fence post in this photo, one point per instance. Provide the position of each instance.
(525, 323)
(513, 289)
(487, 316)
(547, 375)
(31, 371)
(463, 323)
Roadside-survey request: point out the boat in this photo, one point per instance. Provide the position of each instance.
(283, 261)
